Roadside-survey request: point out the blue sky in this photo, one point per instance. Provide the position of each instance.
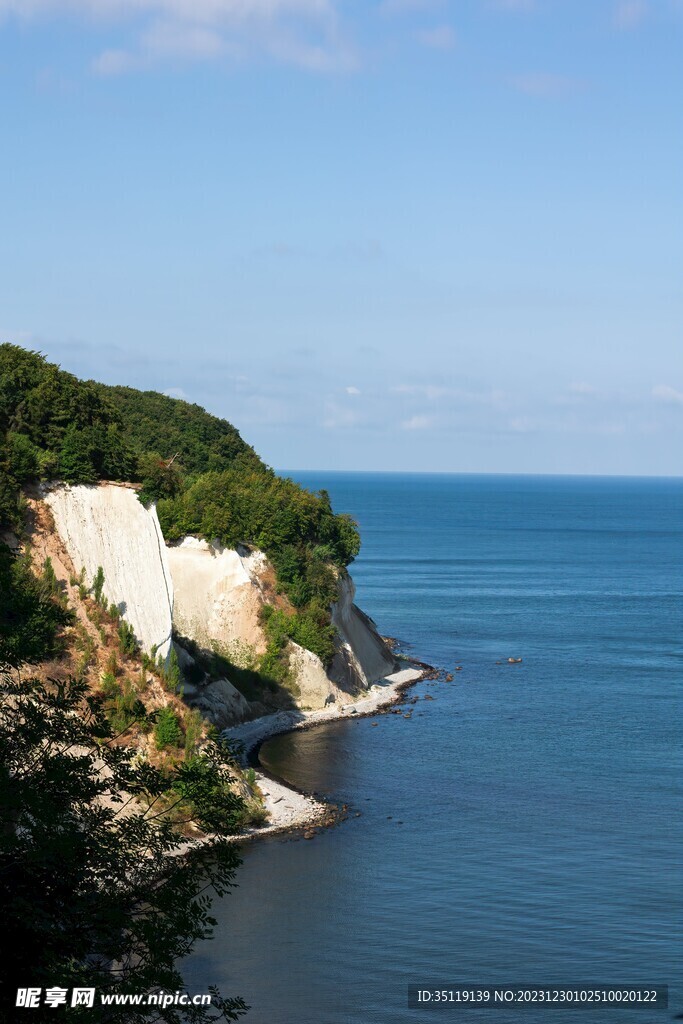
(409, 234)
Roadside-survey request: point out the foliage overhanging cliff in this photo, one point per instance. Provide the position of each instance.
(204, 477)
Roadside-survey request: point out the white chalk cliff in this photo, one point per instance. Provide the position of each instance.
(105, 525)
(362, 657)
(208, 593)
(218, 594)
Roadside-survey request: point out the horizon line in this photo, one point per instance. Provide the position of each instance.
(457, 472)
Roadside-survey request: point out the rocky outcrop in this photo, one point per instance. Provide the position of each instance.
(217, 595)
(363, 656)
(219, 701)
(313, 686)
(105, 525)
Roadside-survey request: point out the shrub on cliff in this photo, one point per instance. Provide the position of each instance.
(314, 631)
(123, 707)
(30, 618)
(167, 731)
(98, 585)
(127, 640)
(311, 630)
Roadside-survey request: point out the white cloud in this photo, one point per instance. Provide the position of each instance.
(303, 33)
(630, 13)
(546, 85)
(351, 390)
(417, 423)
(582, 388)
(442, 37)
(326, 56)
(173, 39)
(175, 393)
(113, 62)
(664, 393)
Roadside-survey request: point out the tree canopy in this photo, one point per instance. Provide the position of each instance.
(204, 477)
(93, 891)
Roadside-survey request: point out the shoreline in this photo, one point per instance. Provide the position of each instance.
(289, 809)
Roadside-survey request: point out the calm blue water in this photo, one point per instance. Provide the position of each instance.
(524, 826)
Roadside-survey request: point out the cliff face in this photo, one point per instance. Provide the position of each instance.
(209, 594)
(217, 594)
(106, 525)
(363, 656)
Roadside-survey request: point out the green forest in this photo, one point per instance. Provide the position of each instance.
(205, 479)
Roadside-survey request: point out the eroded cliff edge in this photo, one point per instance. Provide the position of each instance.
(211, 599)
(105, 525)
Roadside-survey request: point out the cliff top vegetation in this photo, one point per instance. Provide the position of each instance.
(205, 478)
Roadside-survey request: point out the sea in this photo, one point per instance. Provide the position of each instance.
(520, 831)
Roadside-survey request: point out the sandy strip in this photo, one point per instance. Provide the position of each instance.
(287, 808)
